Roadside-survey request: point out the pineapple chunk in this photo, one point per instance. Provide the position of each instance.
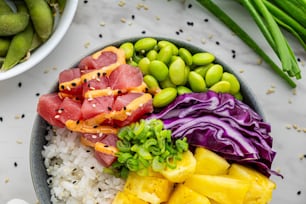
(127, 198)
(210, 163)
(261, 186)
(150, 189)
(222, 189)
(184, 195)
(185, 168)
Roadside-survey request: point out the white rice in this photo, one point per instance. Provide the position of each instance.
(75, 175)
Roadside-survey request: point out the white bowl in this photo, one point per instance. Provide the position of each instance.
(61, 26)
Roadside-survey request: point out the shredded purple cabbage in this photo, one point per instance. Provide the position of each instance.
(219, 122)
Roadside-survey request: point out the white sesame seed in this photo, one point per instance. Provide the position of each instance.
(56, 116)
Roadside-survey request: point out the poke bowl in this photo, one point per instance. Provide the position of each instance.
(38, 40)
(150, 120)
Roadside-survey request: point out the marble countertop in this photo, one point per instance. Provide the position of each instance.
(100, 22)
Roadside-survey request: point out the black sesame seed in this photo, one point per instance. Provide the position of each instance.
(106, 146)
(217, 43)
(85, 80)
(73, 84)
(181, 30)
(100, 35)
(37, 94)
(92, 167)
(233, 51)
(206, 20)
(189, 5)
(233, 56)
(74, 182)
(119, 92)
(95, 126)
(62, 87)
(143, 32)
(1, 119)
(77, 122)
(87, 150)
(304, 155)
(104, 73)
(99, 189)
(109, 108)
(15, 164)
(298, 193)
(298, 59)
(22, 116)
(177, 32)
(19, 84)
(124, 108)
(98, 74)
(133, 16)
(189, 23)
(85, 2)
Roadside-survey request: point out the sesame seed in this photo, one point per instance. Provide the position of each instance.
(92, 167)
(143, 32)
(189, 5)
(133, 16)
(22, 115)
(94, 105)
(217, 43)
(37, 94)
(206, 20)
(1, 119)
(298, 193)
(56, 116)
(99, 189)
(85, 2)
(74, 182)
(15, 164)
(19, 84)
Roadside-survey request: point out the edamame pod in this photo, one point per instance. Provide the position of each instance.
(159, 70)
(152, 55)
(41, 16)
(177, 72)
(185, 55)
(13, 23)
(152, 84)
(196, 82)
(143, 65)
(213, 74)
(164, 97)
(128, 49)
(165, 54)
(145, 44)
(182, 90)
(19, 47)
(167, 83)
(232, 79)
(221, 87)
(164, 43)
(4, 45)
(202, 58)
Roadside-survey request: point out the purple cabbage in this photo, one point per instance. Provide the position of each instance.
(223, 124)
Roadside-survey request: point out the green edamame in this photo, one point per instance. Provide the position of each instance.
(164, 43)
(128, 49)
(202, 69)
(221, 87)
(165, 54)
(196, 82)
(177, 72)
(145, 44)
(159, 70)
(182, 90)
(167, 83)
(41, 16)
(185, 55)
(202, 58)
(152, 55)
(152, 84)
(213, 74)
(18, 48)
(143, 64)
(4, 45)
(13, 23)
(232, 79)
(164, 97)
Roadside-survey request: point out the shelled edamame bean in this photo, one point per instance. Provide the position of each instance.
(170, 70)
(35, 15)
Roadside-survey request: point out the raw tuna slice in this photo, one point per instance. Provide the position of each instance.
(106, 159)
(124, 100)
(95, 106)
(125, 76)
(106, 58)
(70, 75)
(69, 110)
(47, 108)
(94, 84)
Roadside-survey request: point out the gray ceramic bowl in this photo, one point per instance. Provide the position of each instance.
(38, 170)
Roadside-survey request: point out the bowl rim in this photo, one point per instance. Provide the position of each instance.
(45, 49)
(40, 126)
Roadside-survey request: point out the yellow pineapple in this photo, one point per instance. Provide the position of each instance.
(123, 197)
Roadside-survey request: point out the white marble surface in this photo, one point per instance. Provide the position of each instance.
(282, 108)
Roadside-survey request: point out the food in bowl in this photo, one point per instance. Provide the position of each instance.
(153, 120)
(29, 31)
